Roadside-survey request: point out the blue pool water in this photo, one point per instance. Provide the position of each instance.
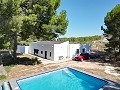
(62, 79)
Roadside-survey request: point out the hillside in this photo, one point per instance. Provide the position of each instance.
(87, 39)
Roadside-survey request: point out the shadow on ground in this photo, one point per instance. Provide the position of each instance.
(21, 61)
(104, 58)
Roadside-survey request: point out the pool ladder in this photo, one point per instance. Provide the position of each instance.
(5, 86)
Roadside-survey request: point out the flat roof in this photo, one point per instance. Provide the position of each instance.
(49, 42)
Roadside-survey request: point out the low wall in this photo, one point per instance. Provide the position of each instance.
(22, 49)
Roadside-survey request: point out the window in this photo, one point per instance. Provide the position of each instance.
(36, 51)
(50, 54)
(83, 50)
(41, 52)
(77, 51)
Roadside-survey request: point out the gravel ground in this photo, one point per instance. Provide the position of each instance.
(91, 67)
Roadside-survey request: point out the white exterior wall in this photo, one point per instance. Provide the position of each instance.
(22, 49)
(33, 46)
(48, 48)
(26, 49)
(72, 49)
(42, 47)
(86, 47)
(61, 50)
(57, 50)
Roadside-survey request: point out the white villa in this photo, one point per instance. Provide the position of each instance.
(54, 50)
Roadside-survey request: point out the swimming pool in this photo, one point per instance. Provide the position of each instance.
(61, 79)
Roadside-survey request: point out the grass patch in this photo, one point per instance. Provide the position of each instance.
(8, 68)
(2, 77)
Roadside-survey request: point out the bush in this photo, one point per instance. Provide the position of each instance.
(2, 77)
(28, 61)
(7, 59)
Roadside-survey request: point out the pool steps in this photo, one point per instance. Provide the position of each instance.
(5, 86)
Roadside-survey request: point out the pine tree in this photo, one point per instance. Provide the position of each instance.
(26, 18)
(42, 20)
(112, 21)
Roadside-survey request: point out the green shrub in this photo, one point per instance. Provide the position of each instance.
(2, 77)
(7, 60)
(28, 61)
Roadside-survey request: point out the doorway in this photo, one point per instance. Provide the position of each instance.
(36, 51)
(83, 50)
(45, 54)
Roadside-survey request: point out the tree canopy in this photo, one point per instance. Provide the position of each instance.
(42, 20)
(22, 19)
(112, 21)
(11, 20)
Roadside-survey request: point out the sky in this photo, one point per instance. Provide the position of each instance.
(86, 16)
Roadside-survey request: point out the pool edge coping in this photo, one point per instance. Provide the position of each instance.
(13, 82)
(110, 83)
(15, 86)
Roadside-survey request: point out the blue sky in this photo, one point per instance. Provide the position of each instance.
(86, 16)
